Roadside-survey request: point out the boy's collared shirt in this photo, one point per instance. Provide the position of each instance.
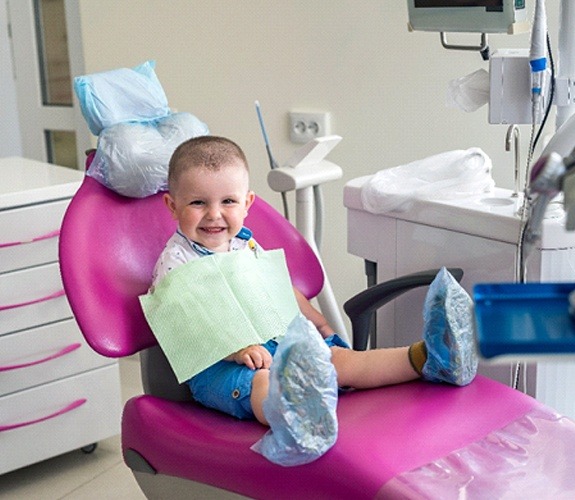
(180, 249)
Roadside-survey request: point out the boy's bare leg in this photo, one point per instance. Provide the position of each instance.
(260, 388)
(373, 368)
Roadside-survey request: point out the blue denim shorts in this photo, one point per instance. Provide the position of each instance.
(227, 386)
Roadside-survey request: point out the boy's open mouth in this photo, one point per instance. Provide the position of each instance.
(213, 230)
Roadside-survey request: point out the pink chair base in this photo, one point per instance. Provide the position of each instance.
(383, 433)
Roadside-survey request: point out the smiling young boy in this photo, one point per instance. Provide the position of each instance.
(209, 196)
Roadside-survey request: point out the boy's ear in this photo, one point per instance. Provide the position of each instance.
(250, 198)
(171, 204)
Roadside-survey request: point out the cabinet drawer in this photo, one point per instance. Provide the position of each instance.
(29, 235)
(32, 297)
(39, 355)
(52, 419)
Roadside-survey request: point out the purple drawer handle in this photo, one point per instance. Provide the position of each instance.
(66, 409)
(35, 301)
(51, 234)
(61, 352)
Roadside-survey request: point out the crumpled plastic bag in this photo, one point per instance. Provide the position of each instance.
(302, 399)
(137, 133)
(132, 158)
(469, 92)
(445, 176)
(448, 332)
(121, 95)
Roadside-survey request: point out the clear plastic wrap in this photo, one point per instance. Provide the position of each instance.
(469, 92)
(448, 332)
(445, 176)
(302, 400)
(529, 458)
(132, 157)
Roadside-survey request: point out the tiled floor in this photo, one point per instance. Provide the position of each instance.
(100, 475)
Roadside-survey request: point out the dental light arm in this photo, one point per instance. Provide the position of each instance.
(545, 184)
(563, 143)
(568, 186)
(551, 174)
(304, 173)
(569, 199)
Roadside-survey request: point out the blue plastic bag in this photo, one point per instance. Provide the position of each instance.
(302, 399)
(121, 95)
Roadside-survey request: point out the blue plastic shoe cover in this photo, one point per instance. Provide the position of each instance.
(448, 332)
(302, 400)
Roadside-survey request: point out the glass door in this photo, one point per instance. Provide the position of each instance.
(47, 50)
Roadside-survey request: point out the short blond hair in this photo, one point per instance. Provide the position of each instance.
(208, 151)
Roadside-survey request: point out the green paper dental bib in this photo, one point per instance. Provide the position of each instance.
(211, 307)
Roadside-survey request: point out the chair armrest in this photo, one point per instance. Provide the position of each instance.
(361, 307)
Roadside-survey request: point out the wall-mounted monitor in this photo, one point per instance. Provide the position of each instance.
(468, 16)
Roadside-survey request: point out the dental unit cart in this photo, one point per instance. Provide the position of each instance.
(479, 235)
(56, 393)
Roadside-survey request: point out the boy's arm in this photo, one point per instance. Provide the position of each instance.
(313, 314)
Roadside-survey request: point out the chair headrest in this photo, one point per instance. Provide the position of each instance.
(109, 245)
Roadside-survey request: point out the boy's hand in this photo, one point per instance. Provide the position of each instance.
(253, 356)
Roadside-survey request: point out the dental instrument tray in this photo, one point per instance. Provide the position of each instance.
(514, 319)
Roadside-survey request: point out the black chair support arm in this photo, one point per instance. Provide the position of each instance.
(361, 307)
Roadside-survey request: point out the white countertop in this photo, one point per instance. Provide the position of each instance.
(24, 182)
(492, 215)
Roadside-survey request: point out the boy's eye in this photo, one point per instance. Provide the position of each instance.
(229, 201)
(196, 202)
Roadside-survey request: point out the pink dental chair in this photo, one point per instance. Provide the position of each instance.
(396, 442)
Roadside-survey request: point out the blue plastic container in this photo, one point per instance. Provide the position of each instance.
(531, 318)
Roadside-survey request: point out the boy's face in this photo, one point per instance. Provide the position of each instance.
(210, 206)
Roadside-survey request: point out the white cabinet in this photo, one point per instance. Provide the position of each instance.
(56, 393)
(478, 234)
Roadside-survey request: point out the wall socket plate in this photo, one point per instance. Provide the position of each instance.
(307, 125)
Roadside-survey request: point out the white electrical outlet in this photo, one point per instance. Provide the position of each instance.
(305, 126)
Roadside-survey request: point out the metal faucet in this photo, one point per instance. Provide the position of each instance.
(513, 130)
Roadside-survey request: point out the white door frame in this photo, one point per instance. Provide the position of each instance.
(35, 118)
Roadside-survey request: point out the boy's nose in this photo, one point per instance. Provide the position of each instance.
(214, 212)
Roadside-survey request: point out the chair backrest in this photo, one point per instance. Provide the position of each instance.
(109, 245)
